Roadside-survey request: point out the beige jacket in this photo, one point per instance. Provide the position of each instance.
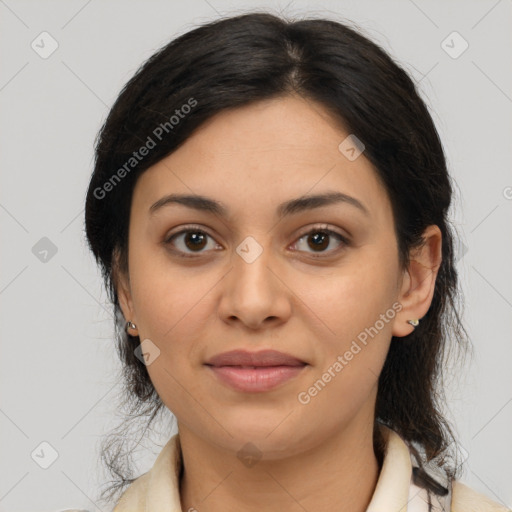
(158, 489)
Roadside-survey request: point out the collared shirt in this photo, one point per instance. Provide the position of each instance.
(158, 490)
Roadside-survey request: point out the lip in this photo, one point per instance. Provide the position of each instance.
(261, 358)
(255, 372)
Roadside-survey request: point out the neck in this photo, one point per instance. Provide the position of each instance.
(340, 474)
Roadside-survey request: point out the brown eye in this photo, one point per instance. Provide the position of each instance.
(319, 240)
(190, 241)
(195, 240)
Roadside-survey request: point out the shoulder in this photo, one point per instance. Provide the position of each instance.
(465, 499)
(134, 497)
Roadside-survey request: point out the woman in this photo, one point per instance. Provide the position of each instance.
(269, 209)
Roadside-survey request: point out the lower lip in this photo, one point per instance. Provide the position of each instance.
(255, 380)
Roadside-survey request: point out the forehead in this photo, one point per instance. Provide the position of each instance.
(266, 152)
(282, 125)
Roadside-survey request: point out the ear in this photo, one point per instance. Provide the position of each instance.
(121, 281)
(418, 281)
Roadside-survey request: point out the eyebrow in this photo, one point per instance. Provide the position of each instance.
(293, 206)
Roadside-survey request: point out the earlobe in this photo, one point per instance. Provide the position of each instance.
(122, 285)
(418, 283)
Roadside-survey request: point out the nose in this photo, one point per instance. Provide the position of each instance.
(254, 291)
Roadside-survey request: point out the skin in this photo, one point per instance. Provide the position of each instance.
(315, 456)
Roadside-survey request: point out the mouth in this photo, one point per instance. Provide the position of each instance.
(255, 372)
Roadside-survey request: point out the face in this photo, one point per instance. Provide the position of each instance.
(316, 280)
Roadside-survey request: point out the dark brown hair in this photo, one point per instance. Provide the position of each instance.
(243, 59)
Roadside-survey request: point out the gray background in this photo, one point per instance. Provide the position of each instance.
(58, 365)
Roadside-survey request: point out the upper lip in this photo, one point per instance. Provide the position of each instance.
(262, 358)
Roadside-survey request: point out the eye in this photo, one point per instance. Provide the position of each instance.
(195, 240)
(189, 241)
(319, 239)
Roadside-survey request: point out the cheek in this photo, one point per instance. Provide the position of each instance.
(175, 310)
(171, 304)
(353, 297)
(355, 306)
(163, 293)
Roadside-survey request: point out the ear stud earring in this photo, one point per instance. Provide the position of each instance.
(414, 322)
(129, 325)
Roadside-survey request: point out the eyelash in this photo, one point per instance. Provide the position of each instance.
(316, 229)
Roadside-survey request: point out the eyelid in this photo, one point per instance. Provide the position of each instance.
(186, 229)
(324, 228)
